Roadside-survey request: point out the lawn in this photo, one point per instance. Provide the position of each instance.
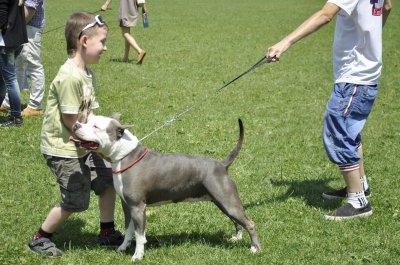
(194, 48)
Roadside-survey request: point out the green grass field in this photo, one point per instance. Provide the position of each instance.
(194, 47)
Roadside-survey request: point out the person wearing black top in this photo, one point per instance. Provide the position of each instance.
(13, 35)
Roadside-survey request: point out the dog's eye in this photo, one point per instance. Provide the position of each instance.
(95, 126)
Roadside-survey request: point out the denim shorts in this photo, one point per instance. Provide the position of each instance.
(345, 116)
(77, 177)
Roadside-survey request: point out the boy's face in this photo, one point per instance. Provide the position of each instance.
(95, 45)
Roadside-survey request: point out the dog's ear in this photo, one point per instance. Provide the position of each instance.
(116, 116)
(121, 129)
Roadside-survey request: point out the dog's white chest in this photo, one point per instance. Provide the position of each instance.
(117, 181)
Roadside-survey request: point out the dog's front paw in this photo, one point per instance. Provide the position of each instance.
(137, 256)
(255, 249)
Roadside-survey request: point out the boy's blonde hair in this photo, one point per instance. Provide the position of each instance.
(73, 29)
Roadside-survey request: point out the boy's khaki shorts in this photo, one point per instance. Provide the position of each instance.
(77, 176)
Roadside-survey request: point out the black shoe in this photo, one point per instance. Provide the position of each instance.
(44, 246)
(347, 212)
(12, 121)
(341, 194)
(113, 239)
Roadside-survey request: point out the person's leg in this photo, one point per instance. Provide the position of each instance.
(20, 66)
(3, 88)
(342, 193)
(352, 180)
(54, 219)
(35, 69)
(363, 176)
(126, 51)
(102, 185)
(10, 79)
(107, 205)
(130, 41)
(73, 177)
(345, 117)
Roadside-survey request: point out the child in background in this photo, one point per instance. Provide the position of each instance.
(71, 99)
(128, 17)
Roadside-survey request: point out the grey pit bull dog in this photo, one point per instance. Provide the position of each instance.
(143, 177)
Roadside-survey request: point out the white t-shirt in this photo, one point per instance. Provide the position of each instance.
(357, 48)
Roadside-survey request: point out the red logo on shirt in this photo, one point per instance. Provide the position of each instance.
(377, 7)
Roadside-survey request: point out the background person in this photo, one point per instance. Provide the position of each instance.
(128, 17)
(13, 35)
(30, 58)
(357, 59)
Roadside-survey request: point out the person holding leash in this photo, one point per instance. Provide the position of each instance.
(72, 98)
(128, 17)
(357, 63)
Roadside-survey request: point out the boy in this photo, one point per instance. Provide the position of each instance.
(72, 98)
(357, 54)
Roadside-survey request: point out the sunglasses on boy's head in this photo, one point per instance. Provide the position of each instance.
(97, 20)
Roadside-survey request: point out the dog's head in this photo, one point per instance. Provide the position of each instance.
(100, 134)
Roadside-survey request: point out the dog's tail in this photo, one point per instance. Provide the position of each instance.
(229, 160)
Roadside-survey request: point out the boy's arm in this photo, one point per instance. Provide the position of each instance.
(69, 120)
(387, 7)
(105, 5)
(312, 24)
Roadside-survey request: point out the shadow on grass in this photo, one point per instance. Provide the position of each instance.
(118, 60)
(308, 190)
(71, 236)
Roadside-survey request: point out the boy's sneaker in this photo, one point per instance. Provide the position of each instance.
(12, 121)
(341, 194)
(44, 246)
(347, 212)
(113, 239)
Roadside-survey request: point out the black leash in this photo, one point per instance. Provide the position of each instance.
(262, 61)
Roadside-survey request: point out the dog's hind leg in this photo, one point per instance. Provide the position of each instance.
(239, 232)
(225, 195)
